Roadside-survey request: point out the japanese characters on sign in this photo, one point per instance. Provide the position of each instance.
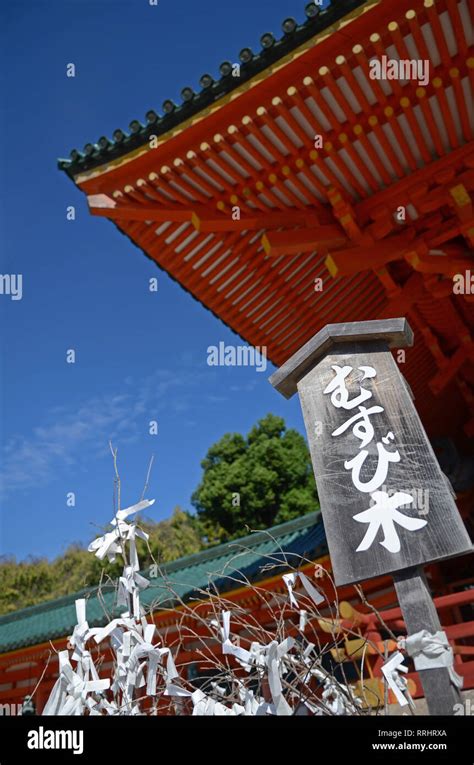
(385, 502)
(385, 513)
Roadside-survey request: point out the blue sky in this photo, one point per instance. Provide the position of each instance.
(139, 355)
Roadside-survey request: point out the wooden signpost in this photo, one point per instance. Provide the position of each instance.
(386, 504)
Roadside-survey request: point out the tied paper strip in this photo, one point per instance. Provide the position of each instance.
(138, 661)
(269, 656)
(69, 695)
(58, 694)
(397, 684)
(290, 581)
(111, 543)
(71, 692)
(334, 698)
(81, 632)
(274, 680)
(228, 647)
(431, 652)
(81, 690)
(130, 584)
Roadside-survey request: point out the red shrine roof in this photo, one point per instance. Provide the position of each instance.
(359, 187)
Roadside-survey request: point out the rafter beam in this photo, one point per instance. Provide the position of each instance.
(104, 206)
(203, 218)
(352, 261)
(401, 302)
(345, 214)
(462, 202)
(444, 376)
(303, 240)
(439, 263)
(257, 221)
(401, 191)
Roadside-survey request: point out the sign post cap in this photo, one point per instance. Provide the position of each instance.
(397, 333)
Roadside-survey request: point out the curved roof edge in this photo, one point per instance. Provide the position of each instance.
(105, 150)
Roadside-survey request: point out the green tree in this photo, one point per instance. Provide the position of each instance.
(258, 481)
(171, 538)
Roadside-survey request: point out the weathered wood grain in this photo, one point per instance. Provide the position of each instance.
(396, 332)
(417, 473)
(419, 613)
